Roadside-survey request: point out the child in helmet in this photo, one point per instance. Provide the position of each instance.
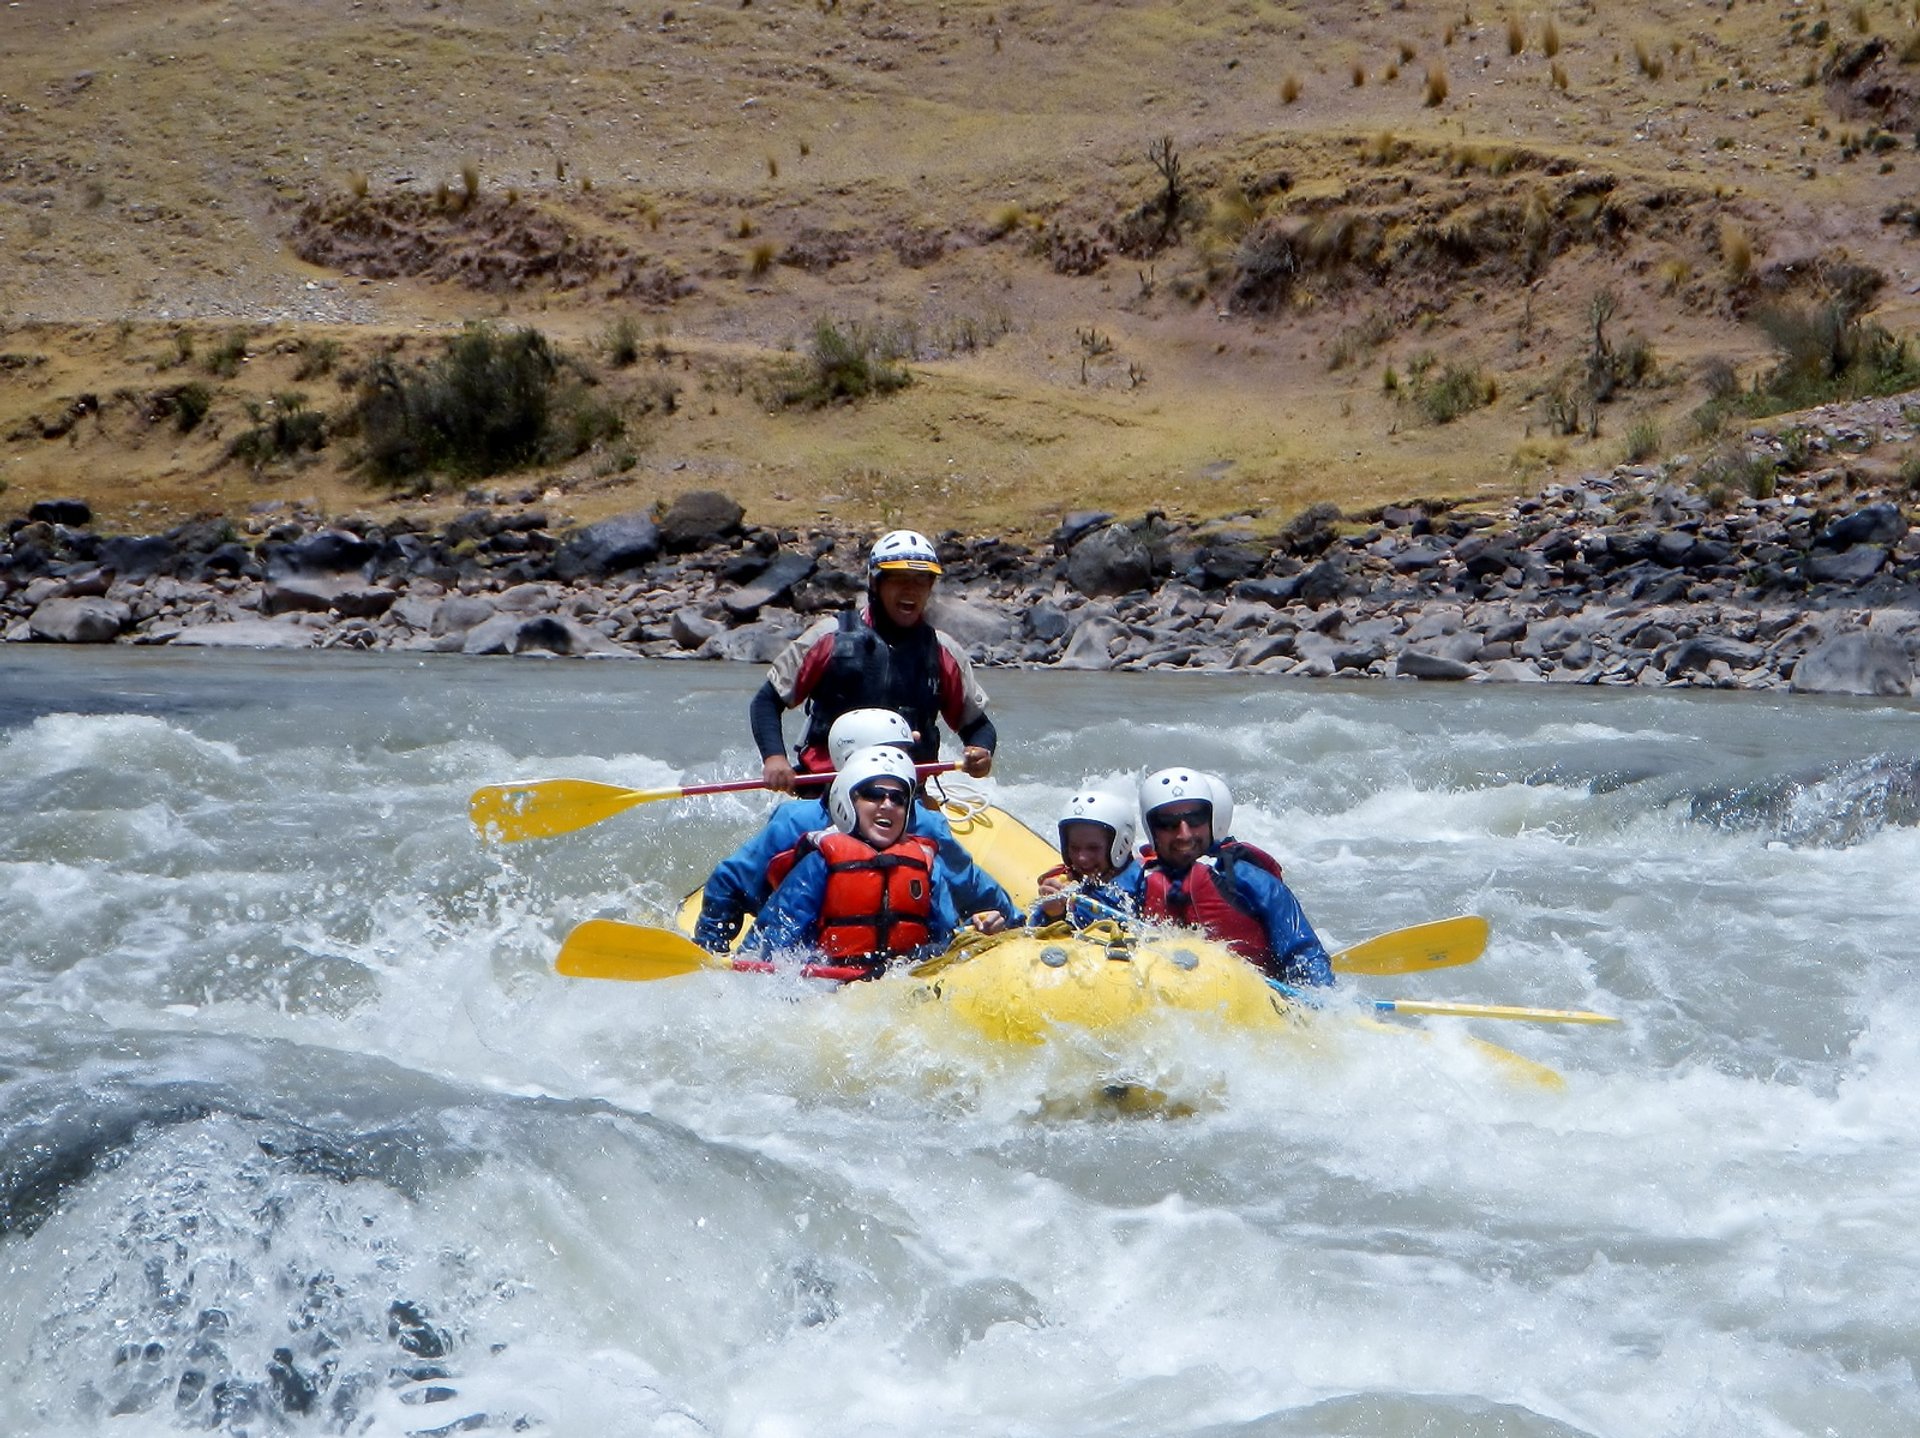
(740, 883)
(866, 891)
(1096, 847)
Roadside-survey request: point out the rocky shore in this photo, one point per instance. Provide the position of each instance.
(1624, 578)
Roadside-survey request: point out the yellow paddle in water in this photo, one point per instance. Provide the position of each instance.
(542, 808)
(1489, 1011)
(611, 949)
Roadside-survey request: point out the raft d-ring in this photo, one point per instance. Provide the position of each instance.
(1054, 956)
(1184, 959)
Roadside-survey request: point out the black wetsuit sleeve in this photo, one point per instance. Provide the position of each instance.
(764, 714)
(980, 732)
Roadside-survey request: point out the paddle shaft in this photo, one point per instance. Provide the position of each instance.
(543, 808)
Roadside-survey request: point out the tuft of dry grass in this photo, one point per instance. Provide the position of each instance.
(1289, 89)
(1358, 74)
(1435, 92)
(760, 258)
(1382, 149)
(1648, 59)
(1516, 35)
(1557, 74)
(1550, 39)
(1736, 250)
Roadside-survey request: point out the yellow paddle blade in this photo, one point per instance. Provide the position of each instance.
(1490, 1011)
(1517, 1066)
(609, 949)
(541, 808)
(1438, 945)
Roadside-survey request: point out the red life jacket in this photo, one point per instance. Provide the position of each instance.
(878, 902)
(1204, 903)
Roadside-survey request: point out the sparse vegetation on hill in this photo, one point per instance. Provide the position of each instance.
(1306, 201)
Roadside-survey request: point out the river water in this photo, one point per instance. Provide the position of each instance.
(299, 1132)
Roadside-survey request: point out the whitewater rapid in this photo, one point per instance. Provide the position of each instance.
(300, 1132)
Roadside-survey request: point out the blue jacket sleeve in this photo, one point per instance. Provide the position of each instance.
(972, 887)
(1298, 955)
(738, 885)
(790, 919)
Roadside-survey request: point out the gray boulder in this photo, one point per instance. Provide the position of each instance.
(79, 621)
(973, 626)
(1109, 562)
(1857, 663)
(1705, 649)
(458, 613)
(755, 643)
(612, 546)
(249, 634)
(74, 513)
(138, 556)
(1419, 664)
(1850, 566)
(326, 551)
(700, 519)
(1092, 643)
(1047, 621)
(689, 628)
(302, 594)
(775, 582)
(1876, 524)
(539, 633)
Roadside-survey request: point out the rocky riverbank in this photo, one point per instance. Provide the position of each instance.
(1625, 578)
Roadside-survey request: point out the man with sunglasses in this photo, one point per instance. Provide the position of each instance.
(1230, 890)
(867, 890)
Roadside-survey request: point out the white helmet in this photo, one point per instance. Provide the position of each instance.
(1170, 786)
(882, 761)
(903, 549)
(1110, 812)
(864, 728)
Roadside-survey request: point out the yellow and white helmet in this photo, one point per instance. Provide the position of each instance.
(903, 551)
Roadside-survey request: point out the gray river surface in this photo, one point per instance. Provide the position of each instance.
(300, 1132)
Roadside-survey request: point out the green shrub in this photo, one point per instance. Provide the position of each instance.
(621, 341)
(846, 364)
(282, 429)
(486, 405)
(1643, 441)
(317, 357)
(190, 404)
(224, 360)
(1739, 469)
(1455, 390)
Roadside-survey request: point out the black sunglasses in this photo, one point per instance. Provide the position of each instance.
(882, 794)
(1160, 819)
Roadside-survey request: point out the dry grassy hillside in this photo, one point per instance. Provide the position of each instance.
(1215, 258)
